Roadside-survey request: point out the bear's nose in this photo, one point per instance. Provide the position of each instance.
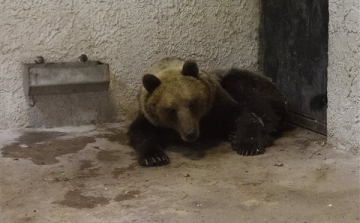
(191, 136)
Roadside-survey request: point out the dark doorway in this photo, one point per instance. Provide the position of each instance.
(293, 52)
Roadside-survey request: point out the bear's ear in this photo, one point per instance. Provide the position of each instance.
(190, 68)
(150, 82)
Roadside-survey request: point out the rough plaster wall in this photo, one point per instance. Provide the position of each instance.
(127, 34)
(343, 74)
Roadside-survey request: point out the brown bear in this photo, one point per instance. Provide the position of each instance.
(177, 100)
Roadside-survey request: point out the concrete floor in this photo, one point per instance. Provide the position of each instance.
(89, 174)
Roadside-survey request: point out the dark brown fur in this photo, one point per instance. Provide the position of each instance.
(179, 101)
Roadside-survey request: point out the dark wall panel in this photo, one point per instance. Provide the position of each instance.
(293, 52)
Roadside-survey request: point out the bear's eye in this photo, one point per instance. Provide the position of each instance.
(192, 106)
(171, 112)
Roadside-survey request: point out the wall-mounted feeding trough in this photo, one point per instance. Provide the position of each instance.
(65, 78)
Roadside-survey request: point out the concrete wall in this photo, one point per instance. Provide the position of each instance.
(343, 74)
(127, 34)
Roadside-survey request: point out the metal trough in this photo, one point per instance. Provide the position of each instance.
(65, 78)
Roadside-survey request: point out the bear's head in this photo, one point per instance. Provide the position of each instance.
(177, 98)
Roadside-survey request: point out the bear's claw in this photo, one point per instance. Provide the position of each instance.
(249, 152)
(153, 158)
(251, 147)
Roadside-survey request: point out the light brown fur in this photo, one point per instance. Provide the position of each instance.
(191, 98)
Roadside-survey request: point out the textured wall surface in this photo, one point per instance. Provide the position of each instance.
(127, 34)
(343, 74)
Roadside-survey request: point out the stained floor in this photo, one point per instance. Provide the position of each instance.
(89, 174)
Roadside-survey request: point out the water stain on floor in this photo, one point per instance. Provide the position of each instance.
(25, 220)
(74, 199)
(42, 148)
(86, 164)
(32, 137)
(116, 135)
(132, 153)
(119, 171)
(108, 155)
(128, 195)
(87, 169)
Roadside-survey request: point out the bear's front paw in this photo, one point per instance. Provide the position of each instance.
(153, 158)
(248, 147)
(249, 150)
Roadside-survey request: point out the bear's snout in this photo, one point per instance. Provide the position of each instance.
(188, 125)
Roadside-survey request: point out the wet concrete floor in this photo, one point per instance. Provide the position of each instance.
(89, 174)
